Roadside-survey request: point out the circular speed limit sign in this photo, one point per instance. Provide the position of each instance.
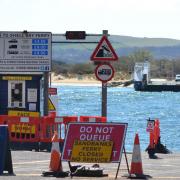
(104, 72)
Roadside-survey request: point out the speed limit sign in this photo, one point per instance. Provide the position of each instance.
(104, 72)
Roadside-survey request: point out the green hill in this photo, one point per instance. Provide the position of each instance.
(123, 45)
(127, 41)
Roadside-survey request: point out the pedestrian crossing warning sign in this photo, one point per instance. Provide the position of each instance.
(104, 51)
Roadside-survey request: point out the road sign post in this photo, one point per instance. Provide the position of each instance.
(104, 100)
(104, 52)
(46, 95)
(104, 92)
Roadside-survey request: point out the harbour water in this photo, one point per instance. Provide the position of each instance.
(129, 106)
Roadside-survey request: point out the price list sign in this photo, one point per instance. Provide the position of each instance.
(25, 51)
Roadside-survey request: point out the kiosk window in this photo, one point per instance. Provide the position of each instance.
(16, 94)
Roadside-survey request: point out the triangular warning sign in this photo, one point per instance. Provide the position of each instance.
(51, 106)
(104, 51)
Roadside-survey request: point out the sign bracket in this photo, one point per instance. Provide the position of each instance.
(124, 150)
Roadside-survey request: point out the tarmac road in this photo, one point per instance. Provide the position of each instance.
(29, 165)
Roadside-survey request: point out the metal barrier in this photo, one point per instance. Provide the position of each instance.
(93, 119)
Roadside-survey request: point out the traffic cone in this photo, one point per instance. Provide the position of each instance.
(55, 165)
(136, 170)
(55, 161)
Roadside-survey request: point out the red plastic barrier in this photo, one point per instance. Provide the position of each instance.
(93, 119)
(52, 114)
(51, 124)
(23, 129)
(34, 132)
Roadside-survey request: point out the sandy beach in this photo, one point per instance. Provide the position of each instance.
(78, 79)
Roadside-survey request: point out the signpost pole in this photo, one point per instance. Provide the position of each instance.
(104, 91)
(103, 53)
(46, 86)
(104, 100)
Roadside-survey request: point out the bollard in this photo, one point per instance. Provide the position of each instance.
(5, 152)
(155, 145)
(156, 132)
(151, 147)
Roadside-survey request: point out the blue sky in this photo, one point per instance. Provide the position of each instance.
(139, 18)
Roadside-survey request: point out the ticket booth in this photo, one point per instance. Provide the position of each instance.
(25, 59)
(20, 94)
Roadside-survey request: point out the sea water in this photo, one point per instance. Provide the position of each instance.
(124, 105)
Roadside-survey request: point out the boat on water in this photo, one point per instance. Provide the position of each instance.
(142, 81)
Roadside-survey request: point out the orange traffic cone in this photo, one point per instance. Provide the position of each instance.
(55, 161)
(136, 164)
(136, 170)
(55, 166)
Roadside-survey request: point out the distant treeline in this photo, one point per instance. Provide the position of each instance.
(161, 68)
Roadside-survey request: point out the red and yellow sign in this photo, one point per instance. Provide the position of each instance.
(17, 78)
(81, 137)
(23, 128)
(92, 151)
(23, 113)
